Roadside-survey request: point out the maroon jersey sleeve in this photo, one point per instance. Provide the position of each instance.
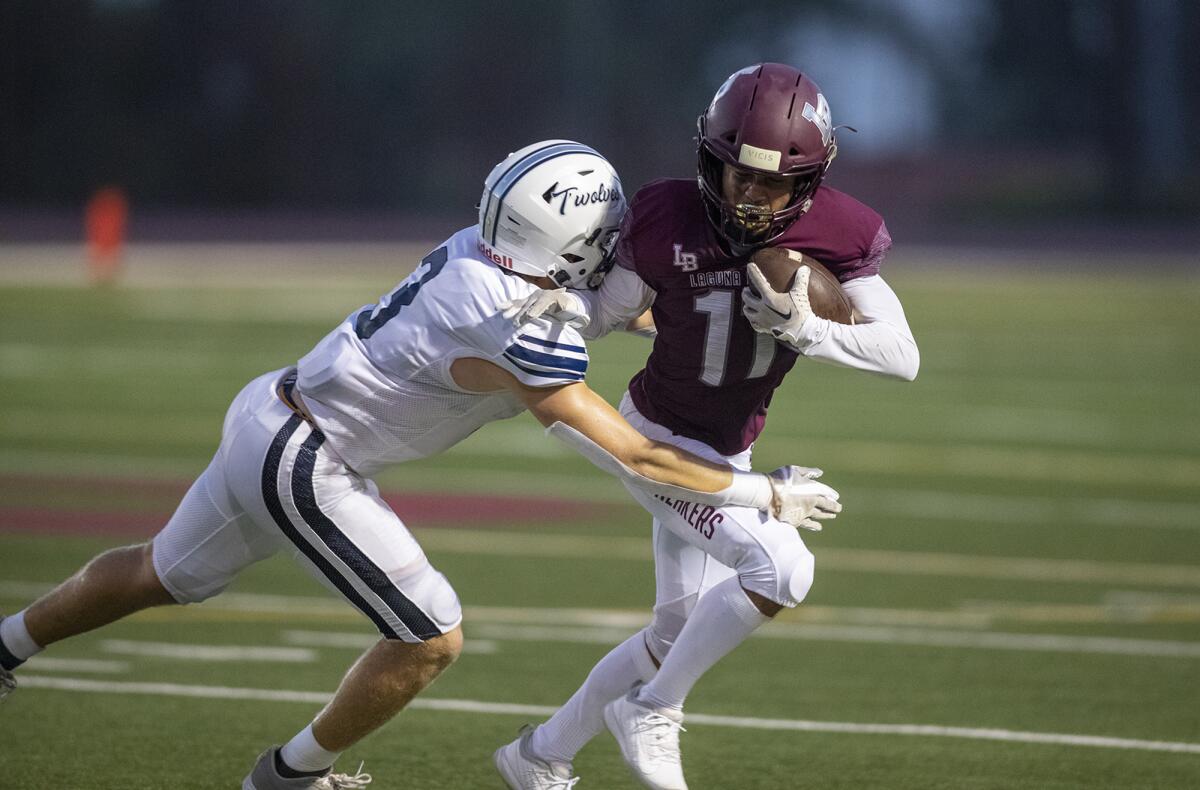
(842, 233)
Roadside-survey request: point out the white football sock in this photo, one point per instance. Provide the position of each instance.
(303, 753)
(723, 618)
(16, 638)
(582, 717)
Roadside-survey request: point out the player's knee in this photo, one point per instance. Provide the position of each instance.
(783, 578)
(796, 575)
(139, 559)
(430, 590)
(662, 632)
(442, 651)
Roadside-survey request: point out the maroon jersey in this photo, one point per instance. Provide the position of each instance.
(710, 376)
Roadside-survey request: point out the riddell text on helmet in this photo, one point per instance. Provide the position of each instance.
(495, 257)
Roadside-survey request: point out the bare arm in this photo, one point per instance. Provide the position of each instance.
(586, 422)
(643, 325)
(577, 406)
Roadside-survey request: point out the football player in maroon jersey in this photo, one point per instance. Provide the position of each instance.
(765, 143)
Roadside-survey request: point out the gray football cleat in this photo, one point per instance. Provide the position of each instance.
(265, 777)
(649, 740)
(521, 769)
(8, 683)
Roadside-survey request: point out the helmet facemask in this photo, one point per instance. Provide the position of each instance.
(585, 264)
(746, 226)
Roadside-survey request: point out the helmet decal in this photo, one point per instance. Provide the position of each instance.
(820, 117)
(759, 158)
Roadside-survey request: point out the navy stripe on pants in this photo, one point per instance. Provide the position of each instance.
(342, 547)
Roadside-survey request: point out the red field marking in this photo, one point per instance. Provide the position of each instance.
(416, 510)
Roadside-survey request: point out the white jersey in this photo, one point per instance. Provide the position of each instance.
(379, 385)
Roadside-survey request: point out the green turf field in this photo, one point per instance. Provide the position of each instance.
(1011, 598)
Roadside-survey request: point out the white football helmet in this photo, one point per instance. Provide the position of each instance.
(552, 209)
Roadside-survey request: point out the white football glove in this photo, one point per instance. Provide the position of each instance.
(800, 500)
(558, 305)
(778, 314)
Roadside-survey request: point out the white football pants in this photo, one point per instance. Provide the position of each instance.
(698, 546)
(274, 485)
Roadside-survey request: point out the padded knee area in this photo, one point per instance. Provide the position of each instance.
(185, 588)
(800, 575)
(662, 632)
(784, 579)
(430, 590)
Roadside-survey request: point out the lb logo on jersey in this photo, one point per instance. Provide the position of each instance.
(579, 197)
(495, 257)
(686, 261)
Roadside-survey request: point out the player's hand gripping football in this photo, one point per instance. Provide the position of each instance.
(774, 313)
(556, 305)
(800, 500)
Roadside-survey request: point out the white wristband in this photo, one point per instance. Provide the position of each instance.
(749, 489)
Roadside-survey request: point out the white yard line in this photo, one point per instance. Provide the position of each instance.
(1021, 509)
(990, 640)
(172, 650)
(1009, 568)
(493, 542)
(917, 637)
(503, 709)
(1117, 607)
(41, 663)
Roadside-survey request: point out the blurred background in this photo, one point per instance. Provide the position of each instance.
(1018, 565)
(993, 122)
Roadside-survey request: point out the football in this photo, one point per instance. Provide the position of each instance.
(825, 294)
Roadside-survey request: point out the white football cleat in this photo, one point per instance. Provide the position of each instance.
(649, 740)
(521, 769)
(265, 777)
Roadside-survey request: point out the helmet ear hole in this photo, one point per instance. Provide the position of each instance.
(571, 257)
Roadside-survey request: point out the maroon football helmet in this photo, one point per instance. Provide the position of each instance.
(768, 118)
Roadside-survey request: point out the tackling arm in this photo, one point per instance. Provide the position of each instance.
(585, 421)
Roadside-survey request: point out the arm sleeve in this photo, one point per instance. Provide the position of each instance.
(621, 297)
(882, 343)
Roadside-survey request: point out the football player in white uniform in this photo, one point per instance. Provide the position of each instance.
(405, 378)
